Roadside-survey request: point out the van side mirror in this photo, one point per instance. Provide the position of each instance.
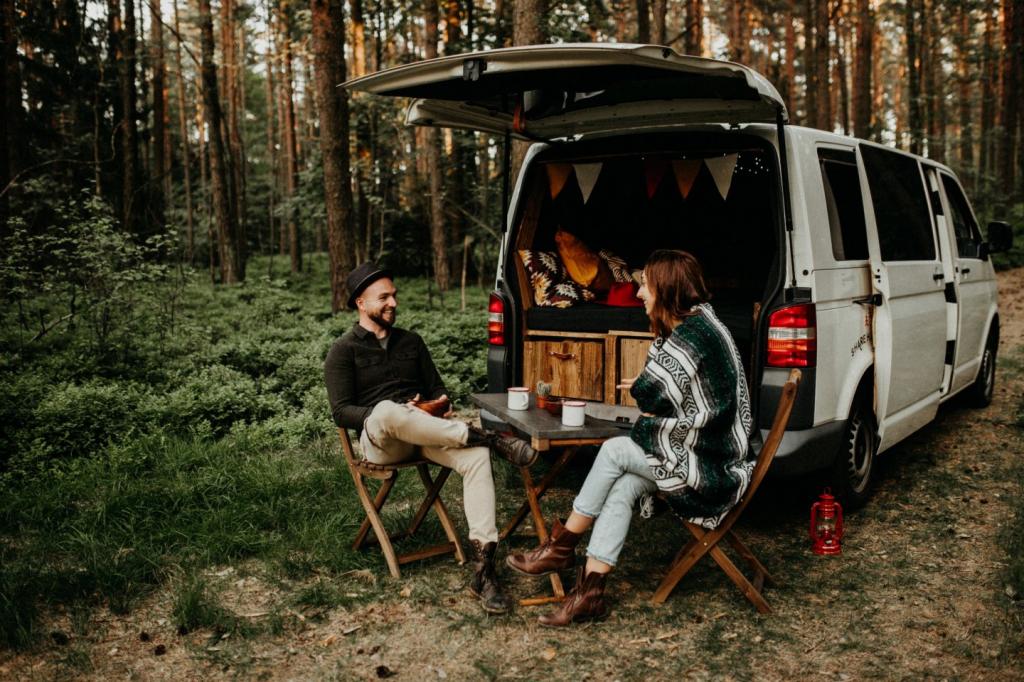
(1000, 237)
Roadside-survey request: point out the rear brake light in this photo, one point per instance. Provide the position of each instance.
(793, 337)
(496, 321)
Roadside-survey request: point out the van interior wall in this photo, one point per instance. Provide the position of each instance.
(734, 238)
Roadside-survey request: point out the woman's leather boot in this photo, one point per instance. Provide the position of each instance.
(557, 553)
(585, 602)
(485, 581)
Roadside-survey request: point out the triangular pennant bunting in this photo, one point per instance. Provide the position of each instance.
(686, 171)
(721, 170)
(558, 174)
(654, 169)
(586, 177)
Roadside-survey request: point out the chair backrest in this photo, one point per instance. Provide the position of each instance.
(346, 447)
(771, 443)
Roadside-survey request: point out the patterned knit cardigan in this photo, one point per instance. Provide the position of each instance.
(697, 442)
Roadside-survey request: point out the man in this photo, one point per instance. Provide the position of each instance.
(382, 382)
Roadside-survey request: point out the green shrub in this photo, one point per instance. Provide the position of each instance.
(218, 396)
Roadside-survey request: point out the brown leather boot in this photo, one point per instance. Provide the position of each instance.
(515, 450)
(585, 602)
(557, 553)
(485, 581)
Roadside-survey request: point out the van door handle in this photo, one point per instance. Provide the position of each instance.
(873, 299)
(964, 271)
(938, 276)
(561, 356)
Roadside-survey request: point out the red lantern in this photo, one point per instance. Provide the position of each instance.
(827, 524)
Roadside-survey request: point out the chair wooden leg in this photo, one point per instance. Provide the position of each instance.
(539, 489)
(749, 591)
(697, 549)
(433, 488)
(434, 494)
(533, 500)
(382, 496)
(762, 573)
(373, 517)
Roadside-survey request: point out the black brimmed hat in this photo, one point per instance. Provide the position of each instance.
(362, 277)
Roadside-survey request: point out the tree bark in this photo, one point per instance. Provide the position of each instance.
(643, 22)
(914, 118)
(659, 9)
(186, 153)
(438, 236)
(271, 147)
(10, 107)
(223, 205)
(694, 40)
(862, 70)
(989, 80)
(823, 99)
(291, 171)
(1010, 99)
(529, 27)
(159, 114)
(129, 135)
(332, 102)
(789, 67)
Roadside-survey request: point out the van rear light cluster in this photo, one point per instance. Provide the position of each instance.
(496, 321)
(793, 337)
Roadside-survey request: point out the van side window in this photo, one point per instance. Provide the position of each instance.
(845, 207)
(968, 237)
(901, 206)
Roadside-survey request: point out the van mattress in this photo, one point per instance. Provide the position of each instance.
(595, 317)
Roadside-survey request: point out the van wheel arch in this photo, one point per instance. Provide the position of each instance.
(980, 393)
(852, 472)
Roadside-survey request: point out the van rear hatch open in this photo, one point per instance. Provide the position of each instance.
(557, 91)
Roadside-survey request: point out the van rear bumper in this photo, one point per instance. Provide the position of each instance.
(807, 450)
(800, 452)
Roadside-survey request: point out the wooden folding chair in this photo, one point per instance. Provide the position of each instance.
(388, 474)
(707, 541)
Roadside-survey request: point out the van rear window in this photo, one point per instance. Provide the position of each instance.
(901, 208)
(845, 206)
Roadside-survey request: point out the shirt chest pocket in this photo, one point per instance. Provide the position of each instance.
(406, 359)
(368, 358)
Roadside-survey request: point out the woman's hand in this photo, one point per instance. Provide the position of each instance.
(626, 383)
(647, 414)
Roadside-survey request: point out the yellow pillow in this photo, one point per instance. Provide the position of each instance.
(582, 264)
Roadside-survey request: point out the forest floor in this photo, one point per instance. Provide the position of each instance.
(920, 590)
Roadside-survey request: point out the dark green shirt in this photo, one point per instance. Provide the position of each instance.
(360, 374)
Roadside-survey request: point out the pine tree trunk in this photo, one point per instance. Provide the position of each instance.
(694, 40)
(271, 147)
(159, 115)
(529, 27)
(935, 111)
(227, 227)
(789, 68)
(438, 236)
(186, 153)
(332, 102)
(1010, 97)
(966, 133)
(658, 10)
(643, 22)
(291, 171)
(988, 95)
(125, 59)
(810, 72)
(862, 70)
(10, 107)
(823, 98)
(914, 118)
(840, 77)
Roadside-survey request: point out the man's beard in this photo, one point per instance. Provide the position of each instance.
(384, 322)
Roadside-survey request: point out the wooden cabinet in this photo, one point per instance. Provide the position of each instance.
(585, 365)
(574, 368)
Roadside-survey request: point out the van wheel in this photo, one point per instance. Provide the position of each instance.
(980, 392)
(855, 461)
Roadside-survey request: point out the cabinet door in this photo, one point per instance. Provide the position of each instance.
(575, 369)
(632, 356)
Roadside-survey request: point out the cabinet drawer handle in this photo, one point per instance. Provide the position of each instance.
(562, 356)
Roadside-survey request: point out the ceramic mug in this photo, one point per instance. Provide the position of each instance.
(573, 412)
(518, 398)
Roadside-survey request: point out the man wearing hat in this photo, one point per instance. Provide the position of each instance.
(382, 382)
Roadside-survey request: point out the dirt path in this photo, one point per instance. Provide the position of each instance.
(918, 591)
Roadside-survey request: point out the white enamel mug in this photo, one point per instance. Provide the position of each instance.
(518, 398)
(573, 412)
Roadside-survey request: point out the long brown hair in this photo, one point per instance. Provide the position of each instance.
(676, 280)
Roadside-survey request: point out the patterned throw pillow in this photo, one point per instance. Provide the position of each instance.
(552, 287)
(620, 270)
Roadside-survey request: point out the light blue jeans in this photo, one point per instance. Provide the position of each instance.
(619, 477)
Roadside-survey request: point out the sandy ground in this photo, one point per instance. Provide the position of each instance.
(918, 592)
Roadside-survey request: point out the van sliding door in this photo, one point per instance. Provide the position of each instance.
(909, 325)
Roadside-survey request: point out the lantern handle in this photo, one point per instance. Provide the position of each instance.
(839, 519)
(814, 518)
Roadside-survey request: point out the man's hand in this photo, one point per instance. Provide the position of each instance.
(439, 407)
(450, 413)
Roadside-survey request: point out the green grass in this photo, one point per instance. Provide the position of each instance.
(248, 470)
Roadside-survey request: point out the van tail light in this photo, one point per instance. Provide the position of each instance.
(496, 321)
(793, 337)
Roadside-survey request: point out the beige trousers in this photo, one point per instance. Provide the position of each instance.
(395, 432)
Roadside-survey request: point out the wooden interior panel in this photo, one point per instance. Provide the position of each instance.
(632, 356)
(575, 369)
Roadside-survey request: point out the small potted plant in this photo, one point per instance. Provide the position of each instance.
(545, 400)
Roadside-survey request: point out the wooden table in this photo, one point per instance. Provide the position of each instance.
(545, 432)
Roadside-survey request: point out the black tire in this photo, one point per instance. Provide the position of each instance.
(981, 391)
(854, 466)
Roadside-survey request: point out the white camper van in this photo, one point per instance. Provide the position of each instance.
(862, 265)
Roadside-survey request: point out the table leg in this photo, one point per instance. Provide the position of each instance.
(539, 490)
(542, 534)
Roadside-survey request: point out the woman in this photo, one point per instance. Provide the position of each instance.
(690, 442)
